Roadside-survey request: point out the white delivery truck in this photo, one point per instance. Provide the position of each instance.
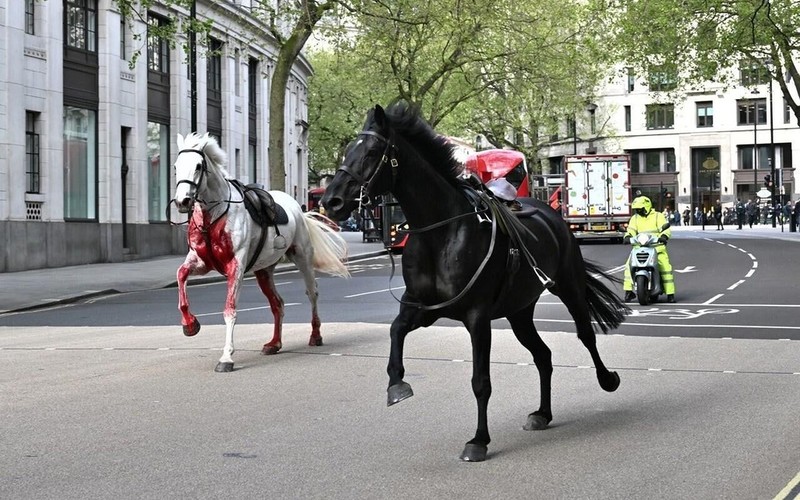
(596, 195)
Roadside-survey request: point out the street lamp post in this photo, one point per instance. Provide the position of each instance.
(772, 155)
(755, 146)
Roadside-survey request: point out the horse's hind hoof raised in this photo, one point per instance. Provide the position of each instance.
(398, 392)
(609, 382)
(191, 330)
(474, 453)
(224, 367)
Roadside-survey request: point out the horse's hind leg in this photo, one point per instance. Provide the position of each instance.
(303, 263)
(579, 310)
(525, 331)
(266, 282)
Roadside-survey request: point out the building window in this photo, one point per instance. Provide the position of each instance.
(214, 70)
(787, 111)
(80, 163)
(752, 111)
(660, 116)
(158, 170)
(652, 160)
(252, 165)
(745, 154)
(123, 51)
(705, 114)
(752, 75)
(252, 85)
(627, 118)
(157, 46)
(237, 63)
(81, 24)
(663, 79)
(631, 80)
(572, 130)
(33, 165)
(29, 17)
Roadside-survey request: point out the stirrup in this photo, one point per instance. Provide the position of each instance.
(543, 278)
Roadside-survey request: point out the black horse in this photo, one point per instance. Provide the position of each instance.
(469, 259)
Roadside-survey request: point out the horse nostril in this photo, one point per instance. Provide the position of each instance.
(185, 202)
(334, 203)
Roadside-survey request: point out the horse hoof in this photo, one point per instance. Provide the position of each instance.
(474, 453)
(398, 392)
(224, 367)
(610, 382)
(270, 349)
(315, 341)
(191, 330)
(536, 422)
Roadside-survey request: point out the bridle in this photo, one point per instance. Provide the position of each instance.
(196, 187)
(387, 157)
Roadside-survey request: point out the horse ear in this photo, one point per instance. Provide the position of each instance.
(380, 115)
(180, 141)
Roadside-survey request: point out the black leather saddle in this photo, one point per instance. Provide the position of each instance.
(260, 205)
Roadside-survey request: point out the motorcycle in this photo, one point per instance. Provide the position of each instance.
(643, 265)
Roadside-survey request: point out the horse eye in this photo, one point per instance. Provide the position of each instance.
(198, 167)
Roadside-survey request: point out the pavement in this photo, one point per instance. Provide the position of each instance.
(25, 290)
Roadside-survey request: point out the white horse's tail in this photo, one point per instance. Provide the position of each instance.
(330, 249)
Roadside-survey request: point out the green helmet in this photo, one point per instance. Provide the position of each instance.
(642, 205)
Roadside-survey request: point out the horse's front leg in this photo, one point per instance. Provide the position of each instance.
(406, 321)
(267, 285)
(191, 265)
(234, 273)
(480, 331)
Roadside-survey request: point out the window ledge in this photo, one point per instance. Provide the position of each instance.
(35, 197)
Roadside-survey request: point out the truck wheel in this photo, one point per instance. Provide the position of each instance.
(642, 290)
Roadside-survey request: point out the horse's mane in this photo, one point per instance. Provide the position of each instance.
(208, 145)
(433, 147)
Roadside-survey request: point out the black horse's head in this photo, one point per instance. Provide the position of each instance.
(366, 169)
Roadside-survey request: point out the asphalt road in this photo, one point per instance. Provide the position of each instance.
(107, 398)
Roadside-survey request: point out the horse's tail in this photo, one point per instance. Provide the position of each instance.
(330, 249)
(604, 305)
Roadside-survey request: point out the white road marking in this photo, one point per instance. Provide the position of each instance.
(712, 299)
(736, 284)
(384, 290)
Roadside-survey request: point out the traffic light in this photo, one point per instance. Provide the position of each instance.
(767, 180)
(664, 191)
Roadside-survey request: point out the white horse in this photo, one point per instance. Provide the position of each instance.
(223, 236)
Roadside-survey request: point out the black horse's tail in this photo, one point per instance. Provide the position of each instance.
(604, 305)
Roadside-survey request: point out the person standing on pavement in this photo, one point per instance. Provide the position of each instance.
(741, 211)
(647, 220)
(687, 214)
(752, 212)
(718, 216)
(698, 216)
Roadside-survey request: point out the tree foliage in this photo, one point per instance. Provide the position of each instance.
(479, 66)
(708, 40)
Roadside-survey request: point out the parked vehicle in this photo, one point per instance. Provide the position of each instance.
(596, 195)
(643, 264)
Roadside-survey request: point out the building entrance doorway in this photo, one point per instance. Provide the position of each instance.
(706, 184)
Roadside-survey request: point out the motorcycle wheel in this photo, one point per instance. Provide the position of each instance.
(642, 290)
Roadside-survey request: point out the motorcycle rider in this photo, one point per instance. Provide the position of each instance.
(645, 219)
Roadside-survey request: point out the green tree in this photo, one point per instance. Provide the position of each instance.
(708, 40)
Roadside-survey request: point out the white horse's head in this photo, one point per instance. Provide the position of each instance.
(200, 160)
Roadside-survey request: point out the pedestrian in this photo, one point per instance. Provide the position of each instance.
(796, 217)
(718, 216)
(698, 216)
(686, 216)
(752, 212)
(741, 212)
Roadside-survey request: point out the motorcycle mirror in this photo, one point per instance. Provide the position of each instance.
(665, 226)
